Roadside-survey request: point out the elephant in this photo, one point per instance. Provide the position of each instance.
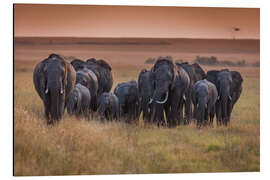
(170, 85)
(103, 72)
(79, 101)
(108, 107)
(128, 95)
(54, 78)
(146, 90)
(204, 96)
(229, 87)
(195, 73)
(88, 79)
(78, 64)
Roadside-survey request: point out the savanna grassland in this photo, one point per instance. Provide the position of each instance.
(89, 147)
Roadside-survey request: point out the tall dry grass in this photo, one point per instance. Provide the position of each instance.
(89, 147)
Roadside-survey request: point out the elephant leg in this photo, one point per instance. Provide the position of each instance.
(212, 114)
(180, 113)
(188, 108)
(47, 107)
(175, 120)
(218, 113)
(206, 117)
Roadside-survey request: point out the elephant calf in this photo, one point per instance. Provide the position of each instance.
(204, 96)
(108, 107)
(79, 101)
(128, 95)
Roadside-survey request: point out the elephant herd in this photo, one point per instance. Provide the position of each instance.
(168, 93)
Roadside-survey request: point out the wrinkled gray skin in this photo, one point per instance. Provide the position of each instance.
(108, 107)
(128, 95)
(229, 86)
(204, 96)
(195, 73)
(54, 79)
(146, 89)
(79, 101)
(88, 79)
(170, 85)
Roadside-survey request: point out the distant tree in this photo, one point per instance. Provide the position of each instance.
(234, 31)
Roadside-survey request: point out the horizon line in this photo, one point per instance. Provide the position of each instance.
(136, 37)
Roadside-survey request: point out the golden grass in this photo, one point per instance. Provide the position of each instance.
(89, 147)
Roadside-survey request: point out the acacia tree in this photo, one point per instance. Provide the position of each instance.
(234, 31)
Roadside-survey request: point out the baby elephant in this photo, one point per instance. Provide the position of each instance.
(79, 101)
(108, 107)
(204, 96)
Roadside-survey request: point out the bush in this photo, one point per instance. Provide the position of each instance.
(213, 61)
(206, 60)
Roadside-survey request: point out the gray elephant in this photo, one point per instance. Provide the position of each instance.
(170, 84)
(146, 89)
(54, 78)
(204, 96)
(79, 101)
(128, 95)
(108, 107)
(229, 87)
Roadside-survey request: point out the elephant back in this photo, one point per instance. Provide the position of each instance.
(70, 79)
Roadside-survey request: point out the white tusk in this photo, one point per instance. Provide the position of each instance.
(230, 97)
(151, 100)
(184, 97)
(61, 91)
(218, 98)
(166, 98)
(46, 91)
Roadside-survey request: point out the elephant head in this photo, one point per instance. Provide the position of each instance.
(54, 79)
(78, 64)
(74, 102)
(164, 74)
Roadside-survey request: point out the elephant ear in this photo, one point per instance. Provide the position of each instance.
(70, 79)
(39, 79)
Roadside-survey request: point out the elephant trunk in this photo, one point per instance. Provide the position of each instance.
(224, 98)
(200, 110)
(57, 100)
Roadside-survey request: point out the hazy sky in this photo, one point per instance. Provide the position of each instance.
(135, 21)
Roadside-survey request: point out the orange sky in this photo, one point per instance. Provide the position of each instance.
(135, 21)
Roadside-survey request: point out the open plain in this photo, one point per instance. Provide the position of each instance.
(89, 147)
